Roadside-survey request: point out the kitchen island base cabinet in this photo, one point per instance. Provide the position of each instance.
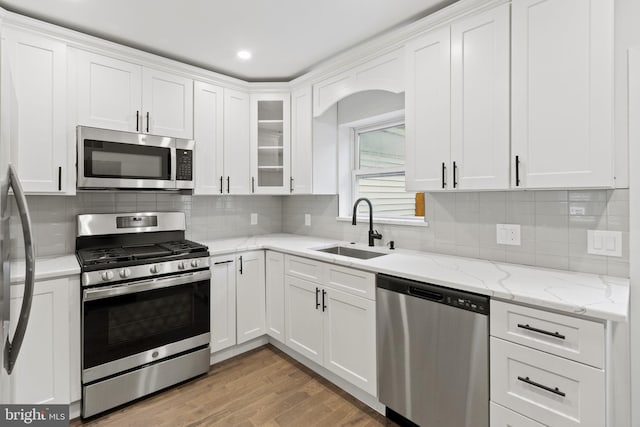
(42, 372)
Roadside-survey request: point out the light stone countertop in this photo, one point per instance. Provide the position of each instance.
(47, 268)
(601, 297)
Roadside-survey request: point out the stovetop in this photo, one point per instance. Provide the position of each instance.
(110, 257)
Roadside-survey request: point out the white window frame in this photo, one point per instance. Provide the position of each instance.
(348, 154)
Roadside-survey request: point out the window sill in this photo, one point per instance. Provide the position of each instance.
(391, 221)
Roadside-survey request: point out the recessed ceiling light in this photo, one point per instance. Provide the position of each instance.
(244, 54)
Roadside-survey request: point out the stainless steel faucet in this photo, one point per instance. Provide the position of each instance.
(373, 234)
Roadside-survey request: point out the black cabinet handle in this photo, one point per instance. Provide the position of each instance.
(147, 122)
(290, 184)
(517, 171)
(223, 262)
(253, 184)
(228, 184)
(554, 390)
(455, 178)
(542, 331)
(241, 266)
(324, 306)
(59, 178)
(444, 172)
(137, 120)
(317, 301)
(221, 180)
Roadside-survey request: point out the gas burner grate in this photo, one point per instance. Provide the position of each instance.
(103, 256)
(183, 246)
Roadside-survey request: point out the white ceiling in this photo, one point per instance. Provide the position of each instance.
(286, 37)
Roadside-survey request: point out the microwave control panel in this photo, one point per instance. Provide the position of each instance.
(184, 165)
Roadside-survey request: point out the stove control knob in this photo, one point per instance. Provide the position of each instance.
(125, 272)
(107, 275)
(195, 263)
(154, 269)
(181, 265)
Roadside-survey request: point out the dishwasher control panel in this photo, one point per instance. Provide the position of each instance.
(459, 299)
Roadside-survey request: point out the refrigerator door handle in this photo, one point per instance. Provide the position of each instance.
(12, 348)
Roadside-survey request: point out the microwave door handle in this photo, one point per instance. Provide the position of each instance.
(12, 348)
(173, 166)
(144, 285)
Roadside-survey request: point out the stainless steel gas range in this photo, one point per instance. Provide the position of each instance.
(145, 306)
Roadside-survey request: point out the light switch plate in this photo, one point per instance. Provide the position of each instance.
(254, 219)
(508, 234)
(307, 220)
(607, 243)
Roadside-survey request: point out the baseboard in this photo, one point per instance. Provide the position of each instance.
(237, 350)
(354, 391)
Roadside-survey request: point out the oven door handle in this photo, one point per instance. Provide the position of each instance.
(144, 285)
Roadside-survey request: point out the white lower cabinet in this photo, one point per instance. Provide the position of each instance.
(333, 328)
(42, 372)
(530, 387)
(503, 417)
(274, 284)
(223, 302)
(250, 296)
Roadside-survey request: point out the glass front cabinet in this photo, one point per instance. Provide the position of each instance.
(270, 143)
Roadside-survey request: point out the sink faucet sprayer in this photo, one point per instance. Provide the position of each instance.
(373, 234)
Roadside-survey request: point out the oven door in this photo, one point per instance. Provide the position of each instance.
(113, 159)
(129, 325)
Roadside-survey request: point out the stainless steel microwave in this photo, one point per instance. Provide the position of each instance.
(109, 159)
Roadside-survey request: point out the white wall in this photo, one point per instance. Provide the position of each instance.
(368, 104)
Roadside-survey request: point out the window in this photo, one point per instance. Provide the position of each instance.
(379, 175)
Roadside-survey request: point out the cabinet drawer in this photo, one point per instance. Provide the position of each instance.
(503, 417)
(355, 282)
(547, 388)
(303, 268)
(576, 339)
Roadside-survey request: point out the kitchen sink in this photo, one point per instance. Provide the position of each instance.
(351, 252)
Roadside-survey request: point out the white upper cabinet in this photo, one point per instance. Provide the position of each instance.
(208, 135)
(457, 105)
(428, 112)
(301, 142)
(480, 100)
(34, 78)
(120, 95)
(167, 101)
(237, 150)
(562, 93)
(109, 92)
(270, 143)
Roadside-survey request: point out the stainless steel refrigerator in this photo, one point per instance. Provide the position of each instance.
(13, 325)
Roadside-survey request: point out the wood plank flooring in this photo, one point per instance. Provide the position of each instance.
(263, 387)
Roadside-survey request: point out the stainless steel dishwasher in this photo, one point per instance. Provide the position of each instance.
(433, 353)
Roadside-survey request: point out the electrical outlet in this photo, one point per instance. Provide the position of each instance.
(608, 243)
(254, 218)
(307, 220)
(508, 234)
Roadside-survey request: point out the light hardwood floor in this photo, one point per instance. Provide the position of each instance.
(263, 387)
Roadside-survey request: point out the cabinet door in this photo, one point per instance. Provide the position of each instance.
(250, 296)
(270, 143)
(167, 103)
(480, 100)
(427, 114)
(301, 142)
(237, 150)
(275, 294)
(562, 92)
(208, 134)
(350, 339)
(34, 108)
(223, 303)
(109, 92)
(41, 374)
(304, 318)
